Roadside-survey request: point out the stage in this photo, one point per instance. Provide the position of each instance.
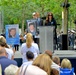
(65, 53)
(60, 53)
(70, 54)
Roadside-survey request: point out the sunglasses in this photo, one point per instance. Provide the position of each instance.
(49, 15)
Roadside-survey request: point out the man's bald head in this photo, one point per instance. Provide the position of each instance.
(3, 52)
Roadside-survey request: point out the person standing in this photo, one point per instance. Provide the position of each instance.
(50, 21)
(30, 57)
(4, 61)
(3, 44)
(11, 70)
(40, 66)
(29, 46)
(39, 20)
(66, 67)
(71, 39)
(36, 16)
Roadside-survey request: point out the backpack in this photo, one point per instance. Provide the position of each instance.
(66, 71)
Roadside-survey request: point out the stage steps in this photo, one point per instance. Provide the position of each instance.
(65, 53)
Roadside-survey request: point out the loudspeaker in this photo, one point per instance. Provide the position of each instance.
(64, 42)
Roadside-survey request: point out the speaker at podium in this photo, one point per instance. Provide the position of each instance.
(46, 40)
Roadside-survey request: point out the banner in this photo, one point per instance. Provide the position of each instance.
(12, 34)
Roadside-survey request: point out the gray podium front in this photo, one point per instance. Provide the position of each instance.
(46, 40)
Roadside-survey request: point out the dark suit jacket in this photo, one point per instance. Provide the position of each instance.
(5, 62)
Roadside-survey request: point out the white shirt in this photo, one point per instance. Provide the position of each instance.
(32, 70)
(9, 52)
(27, 63)
(34, 48)
(55, 66)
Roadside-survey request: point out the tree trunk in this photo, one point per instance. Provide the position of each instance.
(23, 26)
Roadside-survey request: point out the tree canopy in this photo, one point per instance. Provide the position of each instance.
(18, 11)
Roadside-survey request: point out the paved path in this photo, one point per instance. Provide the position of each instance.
(18, 54)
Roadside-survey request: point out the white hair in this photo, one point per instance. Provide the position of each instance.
(33, 13)
(11, 70)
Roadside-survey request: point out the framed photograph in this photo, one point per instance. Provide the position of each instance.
(32, 27)
(12, 34)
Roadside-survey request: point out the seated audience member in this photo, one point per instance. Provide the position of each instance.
(30, 57)
(56, 60)
(3, 44)
(66, 67)
(4, 61)
(11, 70)
(40, 66)
(29, 46)
(54, 66)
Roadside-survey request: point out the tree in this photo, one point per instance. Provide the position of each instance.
(18, 11)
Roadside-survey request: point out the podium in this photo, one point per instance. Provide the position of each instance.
(46, 40)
